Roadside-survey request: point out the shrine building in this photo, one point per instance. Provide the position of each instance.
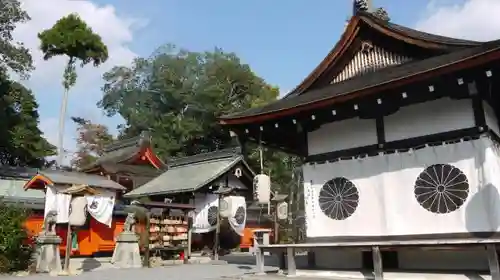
(399, 133)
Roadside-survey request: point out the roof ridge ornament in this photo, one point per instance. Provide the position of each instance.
(366, 6)
(361, 6)
(382, 14)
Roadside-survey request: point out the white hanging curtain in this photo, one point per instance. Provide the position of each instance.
(446, 189)
(205, 216)
(238, 217)
(57, 201)
(101, 206)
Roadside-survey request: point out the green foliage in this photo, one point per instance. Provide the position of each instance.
(21, 141)
(13, 55)
(91, 140)
(72, 37)
(177, 95)
(14, 255)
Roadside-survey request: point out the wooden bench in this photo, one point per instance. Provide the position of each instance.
(375, 247)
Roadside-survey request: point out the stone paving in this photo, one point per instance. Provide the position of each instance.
(175, 272)
(240, 267)
(102, 269)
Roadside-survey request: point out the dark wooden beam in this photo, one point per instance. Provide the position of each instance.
(379, 122)
(373, 150)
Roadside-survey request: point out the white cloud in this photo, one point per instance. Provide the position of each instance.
(116, 32)
(471, 19)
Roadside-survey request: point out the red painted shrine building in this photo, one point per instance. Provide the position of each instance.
(140, 174)
(400, 135)
(131, 163)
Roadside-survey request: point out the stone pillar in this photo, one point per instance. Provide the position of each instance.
(126, 253)
(48, 258)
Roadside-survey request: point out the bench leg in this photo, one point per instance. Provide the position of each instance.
(290, 257)
(377, 263)
(281, 260)
(186, 255)
(259, 260)
(493, 261)
(311, 260)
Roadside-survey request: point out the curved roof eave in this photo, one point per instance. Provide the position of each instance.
(479, 55)
(398, 32)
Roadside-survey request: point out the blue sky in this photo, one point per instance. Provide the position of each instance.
(282, 40)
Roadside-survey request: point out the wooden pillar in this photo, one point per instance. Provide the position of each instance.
(377, 263)
(190, 235)
(146, 262)
(217, 231)
(69, 243)
(276, 225)
(187, 249)
(493, 261)
(290, 261)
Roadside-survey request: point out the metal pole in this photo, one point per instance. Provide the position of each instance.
(62, 119)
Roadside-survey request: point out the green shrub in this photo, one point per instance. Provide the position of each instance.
(15, 254)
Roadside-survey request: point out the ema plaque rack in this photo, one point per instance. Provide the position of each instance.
(167, 231)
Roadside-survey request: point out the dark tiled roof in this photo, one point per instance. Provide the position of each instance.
(369, 80)
(141, 170)
(179, 206)
(80, 178)
(17, 172)
(29, 203)
(39, 203)
(122, 151)
(189, 174)
(416, 34)
(219, 154)
(14, 187)
(429, 44)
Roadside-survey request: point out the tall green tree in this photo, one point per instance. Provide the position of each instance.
(72, 37)
(14, 56)
(177, 95)
(21, 141)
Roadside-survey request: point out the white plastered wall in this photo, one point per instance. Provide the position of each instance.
(428, 118)
(417, 120)
(413, 121)
(491, 118)
(342, 135)
(396, 194)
